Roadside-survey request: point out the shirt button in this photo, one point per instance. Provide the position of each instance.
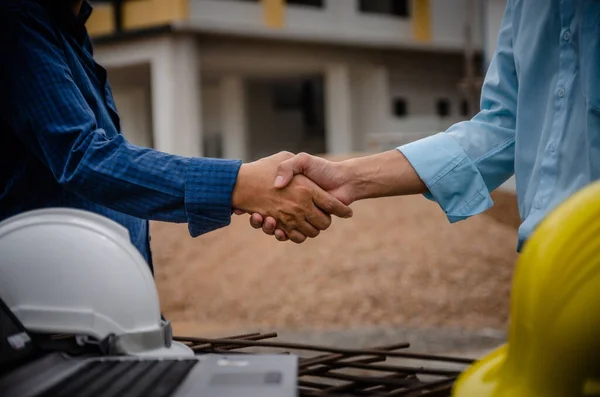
(551, 147)
(538, 204)
(561, 92)
(567, 35)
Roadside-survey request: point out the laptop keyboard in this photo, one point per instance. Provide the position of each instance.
(127, 378)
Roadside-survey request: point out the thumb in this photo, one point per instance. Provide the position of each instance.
(288, 168)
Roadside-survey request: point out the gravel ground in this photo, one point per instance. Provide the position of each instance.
(396, 265)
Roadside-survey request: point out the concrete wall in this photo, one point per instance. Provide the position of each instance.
(422, 93)
(131, 91)
(211, 117)
(270, 130)
(338, 21)
(493, 10)
(448, 17)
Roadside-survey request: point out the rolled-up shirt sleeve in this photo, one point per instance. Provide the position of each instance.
(41, 103)
(462, 165)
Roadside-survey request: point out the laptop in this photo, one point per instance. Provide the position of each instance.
(26, 372)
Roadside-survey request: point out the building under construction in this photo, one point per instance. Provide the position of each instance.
(247, 78)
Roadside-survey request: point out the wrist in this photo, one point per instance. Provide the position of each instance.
(239, 196)
(381, 175)
(354, 182)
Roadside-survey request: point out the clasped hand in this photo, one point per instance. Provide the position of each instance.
(292, 196)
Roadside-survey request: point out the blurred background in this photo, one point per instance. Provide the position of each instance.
(247, 78)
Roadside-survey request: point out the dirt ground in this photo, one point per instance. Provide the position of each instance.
(397, 262)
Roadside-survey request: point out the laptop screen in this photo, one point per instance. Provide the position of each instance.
(15, 344)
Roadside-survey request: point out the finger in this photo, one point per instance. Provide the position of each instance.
(280, 235)
(269, 226)
(330, 205)
(256, 221)
(288, 168)
(307, 229)
(296, 237)
(239, 212)
(318, 219)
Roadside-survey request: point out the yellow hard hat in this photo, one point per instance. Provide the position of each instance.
(553, 347)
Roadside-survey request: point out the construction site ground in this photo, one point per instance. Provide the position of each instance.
(397, 271)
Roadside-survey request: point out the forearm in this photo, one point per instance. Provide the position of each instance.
(460, 167)
(381, 175)
(147, 183)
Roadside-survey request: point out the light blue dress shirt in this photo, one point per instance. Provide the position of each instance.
(539, 118)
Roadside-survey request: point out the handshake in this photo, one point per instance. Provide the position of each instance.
(293, 196)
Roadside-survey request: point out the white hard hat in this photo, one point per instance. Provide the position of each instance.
(70, 271)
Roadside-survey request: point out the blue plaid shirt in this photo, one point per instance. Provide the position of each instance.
(60, 139)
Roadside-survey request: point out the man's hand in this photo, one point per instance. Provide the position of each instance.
(299, 209)
(380, 175)
(334, 177)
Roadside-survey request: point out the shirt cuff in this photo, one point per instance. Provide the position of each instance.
(452, 178)
(209, 185)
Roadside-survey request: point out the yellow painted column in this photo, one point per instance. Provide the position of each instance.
(421, 20)
(274, 13)
(147, 13)
(101, 21)
(137, 15)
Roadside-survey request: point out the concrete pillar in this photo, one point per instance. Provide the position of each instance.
(372, 110)
(233, 117)
(176, 96)
(338, 108)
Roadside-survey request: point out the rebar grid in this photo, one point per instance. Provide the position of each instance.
(347, 372)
